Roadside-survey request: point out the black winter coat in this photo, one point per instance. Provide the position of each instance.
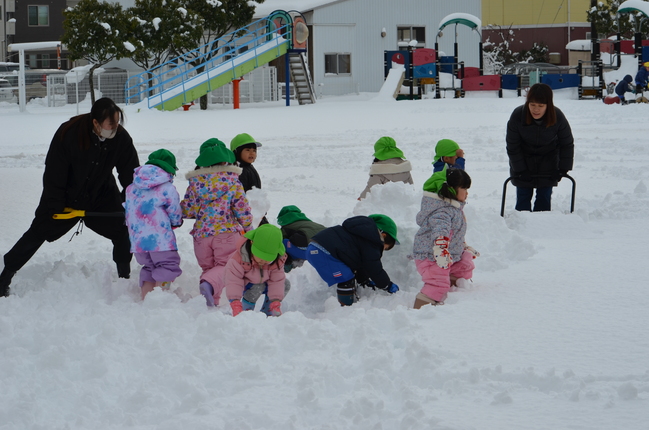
(83, 178)
(249, 177)
(358, 244)
(538, 149)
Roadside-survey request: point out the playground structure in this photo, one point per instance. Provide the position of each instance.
(183, 79)
(426, 66)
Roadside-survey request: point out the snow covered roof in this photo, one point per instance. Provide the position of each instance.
(269, 6)
(578, 45)
(15, 47)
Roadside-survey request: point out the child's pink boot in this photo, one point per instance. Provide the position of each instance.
(236, 306)
(275, 308)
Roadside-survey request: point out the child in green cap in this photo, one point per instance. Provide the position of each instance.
(216, 200)
(258, 260)
(449, 154)
(440, 253)
(152, 210)
(389, 165)
(297, 231)
(245, 147)
(351, 253)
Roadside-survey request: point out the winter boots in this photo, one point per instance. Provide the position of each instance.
(421, 300)
(347, 292)
(5, 281)
(208, 292)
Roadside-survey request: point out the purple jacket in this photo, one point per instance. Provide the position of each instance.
(152, 208)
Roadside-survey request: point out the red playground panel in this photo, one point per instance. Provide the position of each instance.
(469, 72)
(423, 56)
(626, 46)
(481, 83)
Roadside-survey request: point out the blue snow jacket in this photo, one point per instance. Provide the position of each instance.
(359, 245)
(623, 86)
(438, 165)
(642, 77)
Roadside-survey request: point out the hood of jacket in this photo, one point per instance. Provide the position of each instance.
(150, 176)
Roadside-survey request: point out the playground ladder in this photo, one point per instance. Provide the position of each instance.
(301, 77)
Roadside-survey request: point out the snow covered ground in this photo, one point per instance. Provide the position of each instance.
(552, 333)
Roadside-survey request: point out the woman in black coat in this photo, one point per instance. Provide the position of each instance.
(540, 148)
(79, 174)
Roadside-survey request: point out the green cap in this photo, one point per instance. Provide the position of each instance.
(435, 182)
(445, 148)
(386, 148)
(290, 214)
(386, 225)
(266, 242)
(242, 139)
(212, 152)
(163, 159)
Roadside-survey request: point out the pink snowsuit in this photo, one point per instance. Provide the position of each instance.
(241, 270)
(216, 200)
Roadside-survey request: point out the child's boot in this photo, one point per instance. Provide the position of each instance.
(208, 292)
(421, 300)
(274, 309)
(236, 307)
(347, 292)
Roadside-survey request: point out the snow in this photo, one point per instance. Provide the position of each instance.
(631, 5)
(551, 333)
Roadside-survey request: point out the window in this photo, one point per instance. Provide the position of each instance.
(338, 64)
(406, 34)
(38, 16)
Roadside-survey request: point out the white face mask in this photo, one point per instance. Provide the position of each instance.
(108, 134)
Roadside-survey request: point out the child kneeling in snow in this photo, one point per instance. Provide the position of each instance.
(440, 253)
(257, 263)
(389, 165)
(152, 212)
(297, 230)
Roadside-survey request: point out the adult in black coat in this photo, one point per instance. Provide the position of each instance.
(354, 254)
(79, 174)
(540, 147)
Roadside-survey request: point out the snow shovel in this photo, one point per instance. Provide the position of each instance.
(572, 199)
(69, 213)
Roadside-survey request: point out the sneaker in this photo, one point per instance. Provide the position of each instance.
(275, 309)
(236, 306)
(421, 300)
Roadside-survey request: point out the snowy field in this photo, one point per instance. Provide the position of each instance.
(552, 333)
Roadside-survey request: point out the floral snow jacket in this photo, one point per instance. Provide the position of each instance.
(439, 217)
(152, 209)
(216, 200)
(241, 270)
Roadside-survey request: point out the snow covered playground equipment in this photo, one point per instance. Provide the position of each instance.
(187, 77)
(407, 72)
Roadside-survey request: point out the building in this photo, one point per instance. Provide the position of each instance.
(348, 37)
(27, 21)
(553, 22)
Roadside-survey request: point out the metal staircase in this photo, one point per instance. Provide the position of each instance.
(301, 77)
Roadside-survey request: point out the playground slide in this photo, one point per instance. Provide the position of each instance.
(200, 84)
(392, 84)
(196, 73)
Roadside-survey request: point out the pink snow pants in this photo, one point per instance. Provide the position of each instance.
(212, 253)
(437, 281)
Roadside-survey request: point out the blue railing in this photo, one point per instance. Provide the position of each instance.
(193, 68)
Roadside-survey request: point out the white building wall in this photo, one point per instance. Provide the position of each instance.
(355, 26)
